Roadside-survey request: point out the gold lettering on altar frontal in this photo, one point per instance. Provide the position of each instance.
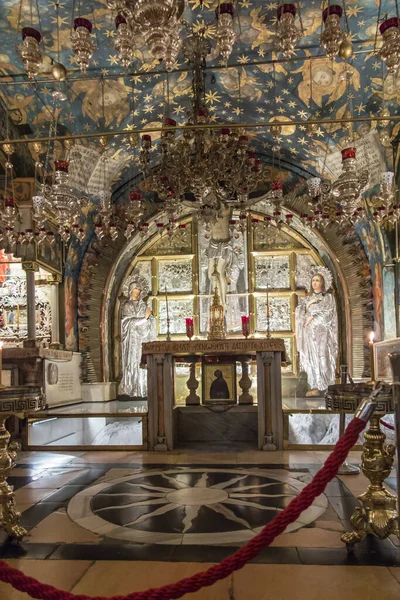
(230, 346)
(9, 353)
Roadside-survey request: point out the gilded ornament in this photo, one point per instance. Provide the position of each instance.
(59, 72)
(9, 149)
(346, 49)
(69, 144)
(38, 148)
(275, 130)
(217, 312)
(133, 139)
(103, 141)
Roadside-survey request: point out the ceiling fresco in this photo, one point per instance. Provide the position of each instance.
(255, 87)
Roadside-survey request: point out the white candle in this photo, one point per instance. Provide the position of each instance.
(371, 355)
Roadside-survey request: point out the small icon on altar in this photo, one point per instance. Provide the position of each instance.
(219, 382)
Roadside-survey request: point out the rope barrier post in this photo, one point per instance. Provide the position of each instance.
(377, 514)
(346, 468)
(234, 562)
(395, 364)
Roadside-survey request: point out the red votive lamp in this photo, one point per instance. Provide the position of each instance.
(189, 328)
(246, 326)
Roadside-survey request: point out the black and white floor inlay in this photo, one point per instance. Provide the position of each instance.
(189, 505)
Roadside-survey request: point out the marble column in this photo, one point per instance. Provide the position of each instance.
(30, 268)
(245, 382)
(269, 388)
(192, 384)
(55, 314)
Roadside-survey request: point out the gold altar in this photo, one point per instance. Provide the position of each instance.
(160, 357)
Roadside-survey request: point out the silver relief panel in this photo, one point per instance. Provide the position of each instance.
(272, 272)
(289, 355)
(176, 275)
(236, 307)
(232, 250)
(303, 264)
(178, 310)
(143, 268)
(280, 313)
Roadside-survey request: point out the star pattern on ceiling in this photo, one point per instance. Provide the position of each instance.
(255, 87)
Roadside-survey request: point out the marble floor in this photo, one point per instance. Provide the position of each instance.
(107, 523)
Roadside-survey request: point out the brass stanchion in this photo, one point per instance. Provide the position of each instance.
(346, 468)
(13, 401)
(9, 516)
(395, 364)
(377, 514)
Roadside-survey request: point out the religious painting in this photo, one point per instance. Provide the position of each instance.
(383, 370)
(219, 382)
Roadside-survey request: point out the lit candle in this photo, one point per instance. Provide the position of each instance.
(371, 355)
(189, 327)
(1, 364)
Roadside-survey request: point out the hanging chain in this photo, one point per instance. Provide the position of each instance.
(40, 23)
(57, 7)
(73, 15)
(377, 24)
(18, 25)
(345, 16)
(300, 19)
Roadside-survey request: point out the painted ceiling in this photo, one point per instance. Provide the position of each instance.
(256, 86)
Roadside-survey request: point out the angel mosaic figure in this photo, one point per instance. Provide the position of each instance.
(137, 326)
(317, 332)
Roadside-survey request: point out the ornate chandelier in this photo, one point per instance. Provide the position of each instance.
(385, 209)
(349, 186)
(225, 35)
(206, 165)
(31, 54)
(160, 23)
(124, 42)
(287, 34)
(59, 200)
(333, 35)
(82, 44)
(390, 50)
(156, 20)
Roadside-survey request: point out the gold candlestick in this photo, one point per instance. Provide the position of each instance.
(371, 355)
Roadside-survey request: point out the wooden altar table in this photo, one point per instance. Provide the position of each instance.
(160, 357)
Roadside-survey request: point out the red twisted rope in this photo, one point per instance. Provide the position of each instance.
(236, 561)
(388, 425)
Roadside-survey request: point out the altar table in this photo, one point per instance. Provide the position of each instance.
(160, 357)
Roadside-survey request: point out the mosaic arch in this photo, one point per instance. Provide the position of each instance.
(107, 264)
